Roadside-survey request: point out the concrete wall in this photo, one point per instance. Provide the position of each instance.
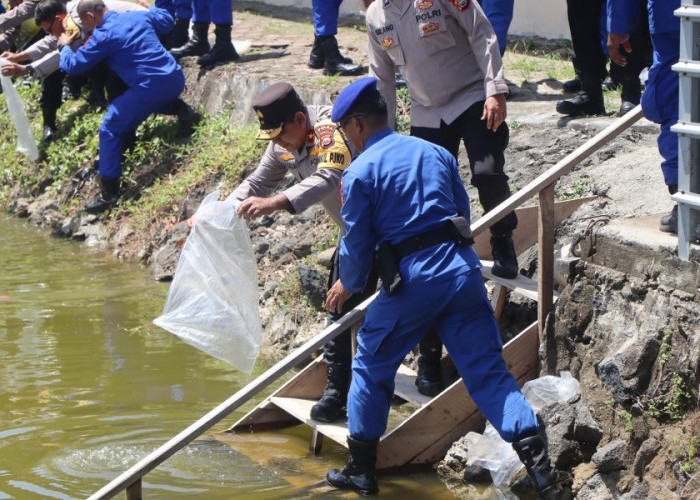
(545, 18)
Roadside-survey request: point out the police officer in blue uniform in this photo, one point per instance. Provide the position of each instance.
(325, 53)
(206, 12)
(128, 43)
(660, 98)
(404, 196)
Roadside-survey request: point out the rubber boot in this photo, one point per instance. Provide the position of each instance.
(334, 62)
(317, 59)
(589, 101)
(505, 260)
(669, 223)
(198, 44)
(548, 483)
(331, 406)
(180, 34)
(429, 379)
(187, 117)
(631, 95)
(108, 197)
(223, 49)
(359, 474)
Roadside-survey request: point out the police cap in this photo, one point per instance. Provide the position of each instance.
(350, 95)
(273, 106)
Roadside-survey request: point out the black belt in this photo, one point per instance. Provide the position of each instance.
(424, 240)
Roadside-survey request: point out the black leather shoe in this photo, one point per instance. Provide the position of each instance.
(669, 223)
(572, 86)
(317, 58)
(505, 260)
(625, 108)
(48, 135)
(429, 380)
(583, 103)
(328, 409)
(101, 204)
(198, 44)
(223, 50)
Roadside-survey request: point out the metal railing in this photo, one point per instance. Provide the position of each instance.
(688, 127)
(542, 186)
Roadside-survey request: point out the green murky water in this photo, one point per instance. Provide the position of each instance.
(88, 386)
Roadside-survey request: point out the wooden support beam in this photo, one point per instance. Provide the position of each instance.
(316, 442)
(133, 491)
(545, 255)
(498, 300)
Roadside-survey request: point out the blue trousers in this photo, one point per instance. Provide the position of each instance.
(326, 16)
(459, 308)
(660, 99)
(179, 9)
(499, 14)
(127, 112)
(213, 11)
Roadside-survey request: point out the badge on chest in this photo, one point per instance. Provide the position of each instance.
(429, 19)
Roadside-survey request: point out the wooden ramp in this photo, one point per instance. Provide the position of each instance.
(425, 435)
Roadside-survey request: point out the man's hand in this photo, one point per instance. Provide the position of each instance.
(191, 221)
(495, 111)
(614, 42)
(336, 297)
(67, 39)
(144, 3)
(15, 3)
(13, 69)
(255, 206)
(12, 56)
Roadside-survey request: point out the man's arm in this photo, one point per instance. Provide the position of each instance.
(161, 20)
(622, 16)
(459, 193)
(382, 67)
(96, 50)
(264, 180)
(357, 246)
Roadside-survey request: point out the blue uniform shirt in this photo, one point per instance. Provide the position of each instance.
(129, 43)
(622, 15)
(397, 188)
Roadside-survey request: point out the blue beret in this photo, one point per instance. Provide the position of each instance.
(349, 95)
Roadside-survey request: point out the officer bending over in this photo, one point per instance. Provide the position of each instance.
(128, 43)
(406, 193)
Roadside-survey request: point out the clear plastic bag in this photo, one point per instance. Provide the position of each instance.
(26, 144)
(490, 452)
(212, 303)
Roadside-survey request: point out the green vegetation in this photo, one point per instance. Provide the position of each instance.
(403, 111)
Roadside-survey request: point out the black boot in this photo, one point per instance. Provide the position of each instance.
(180, 34)
(505, 260)
(223, 49)
(589, 101)
(107, 199)
(669, 223)
(331, 406)
(631, 95)
(359, 473)
(334, 62)
(198, 44)
(429, 379)
(317, 59)
(187, 117)
(49, 116)
(549, 483)
(572, 86)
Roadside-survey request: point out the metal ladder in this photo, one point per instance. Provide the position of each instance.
(688, 127)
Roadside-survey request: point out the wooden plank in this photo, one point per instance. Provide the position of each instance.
(301, 409)
(316, 442)
(545, 255)
(525, 235)
(562, 167)
(162, 453)
(426, 436)
(520, 285)
(134, 492)
(405, 386)
(498, 300)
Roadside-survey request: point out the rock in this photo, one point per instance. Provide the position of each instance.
(166, 257)
(261, 247)
(646, 453)
(582, 474)
(586, 429)
(610, 457)
(476, 475)
(20, 207)
(638, 492)
(68, 227)
(325, 257)
(626, 373)
(313, 285)
(599, 487)
(45, 213)
(122, 234)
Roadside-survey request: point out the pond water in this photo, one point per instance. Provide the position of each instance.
(88, 386)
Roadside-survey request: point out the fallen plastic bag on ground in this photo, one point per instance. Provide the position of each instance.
(26, 144)
(490, 452)
(212, 303)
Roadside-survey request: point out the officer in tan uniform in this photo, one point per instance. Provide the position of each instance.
(304, 142)
(449, 56)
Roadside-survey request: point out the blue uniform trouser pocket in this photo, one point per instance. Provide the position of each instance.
(460, 310)
(660, 99)
(126, 113)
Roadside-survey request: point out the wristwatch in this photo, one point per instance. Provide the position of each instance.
(30, 69)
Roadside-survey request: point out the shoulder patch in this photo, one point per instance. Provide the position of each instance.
(462, 4)
(330, 146)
